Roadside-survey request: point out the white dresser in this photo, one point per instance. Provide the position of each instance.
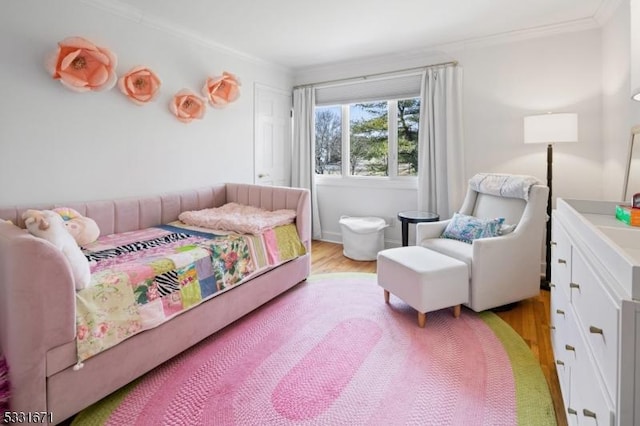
(595, 313)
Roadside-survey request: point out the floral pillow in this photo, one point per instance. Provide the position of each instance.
(468, 228)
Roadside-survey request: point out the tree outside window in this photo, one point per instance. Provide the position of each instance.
(369, 139)
(408, 125)
(329, 140)
(375, 145)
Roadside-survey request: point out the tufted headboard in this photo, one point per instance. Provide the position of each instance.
(133, 213)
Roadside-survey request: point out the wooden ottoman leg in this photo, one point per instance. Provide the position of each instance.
(422, 319)
(456, 311)
(386, 296)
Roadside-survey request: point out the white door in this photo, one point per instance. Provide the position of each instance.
(272, 139)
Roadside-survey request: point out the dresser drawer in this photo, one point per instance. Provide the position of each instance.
(597, 320)
(559, 317)
(569, 351)
(560, 258)
(589, 398)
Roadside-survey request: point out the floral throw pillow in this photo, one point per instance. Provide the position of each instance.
(468, 228)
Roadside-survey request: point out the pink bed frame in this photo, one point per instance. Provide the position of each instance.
(37, 299)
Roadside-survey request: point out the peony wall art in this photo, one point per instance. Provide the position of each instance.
(140, 85)
(187, 106)
(220, 91)
(82, 66)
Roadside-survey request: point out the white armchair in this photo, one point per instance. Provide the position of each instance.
(502, 269)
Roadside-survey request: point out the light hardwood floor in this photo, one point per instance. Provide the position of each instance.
(530, 318)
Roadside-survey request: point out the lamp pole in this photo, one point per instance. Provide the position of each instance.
(550, 128)
(547, 276)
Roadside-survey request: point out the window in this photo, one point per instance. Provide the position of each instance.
(408, 126)
(329, 140)
(369, 139)
(368, 128)
(373, 139)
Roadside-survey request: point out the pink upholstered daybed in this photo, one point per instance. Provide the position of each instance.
(38, 299)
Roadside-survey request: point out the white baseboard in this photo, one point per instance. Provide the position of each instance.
(336, 237)
(331, 237)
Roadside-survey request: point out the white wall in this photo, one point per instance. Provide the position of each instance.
(364, 200)
(58, 145)
(503, 82)
(634, 18)
(632, 9)
(616, 117)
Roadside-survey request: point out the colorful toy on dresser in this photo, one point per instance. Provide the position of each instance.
(629, 213)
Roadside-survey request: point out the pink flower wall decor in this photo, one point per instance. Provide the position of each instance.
(140, 85)
(187, 106)
(222, 90)
(82, 66)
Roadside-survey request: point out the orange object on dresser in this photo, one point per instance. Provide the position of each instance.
(628, 214)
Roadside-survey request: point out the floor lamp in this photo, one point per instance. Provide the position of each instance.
(550, 128)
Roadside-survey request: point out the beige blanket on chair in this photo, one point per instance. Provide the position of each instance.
(503, 185)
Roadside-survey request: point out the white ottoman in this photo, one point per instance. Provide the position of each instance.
(426, 280)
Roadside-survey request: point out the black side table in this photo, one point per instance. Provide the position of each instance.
(414, 216)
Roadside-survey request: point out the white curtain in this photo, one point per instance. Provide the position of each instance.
(303, 167)
(441, 185)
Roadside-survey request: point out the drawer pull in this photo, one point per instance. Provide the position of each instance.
(574, 285)
(553, 243)
(552, 285)
(569, 348)
(572, 411)
(559, 311)
(595, 330)
(588, 413)
(562, 261)
(560, 362)
(552, 327)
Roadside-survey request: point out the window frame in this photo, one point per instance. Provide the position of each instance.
(347, 179)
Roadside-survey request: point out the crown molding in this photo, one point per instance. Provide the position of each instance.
(521, 35)
(435, 53)
(118, 8)
(126, 11)
(606, 10)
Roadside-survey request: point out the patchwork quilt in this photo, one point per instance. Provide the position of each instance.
(141, 279)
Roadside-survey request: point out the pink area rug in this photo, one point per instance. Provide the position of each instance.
(331, 352)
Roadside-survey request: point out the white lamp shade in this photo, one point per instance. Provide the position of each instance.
(551, 128)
